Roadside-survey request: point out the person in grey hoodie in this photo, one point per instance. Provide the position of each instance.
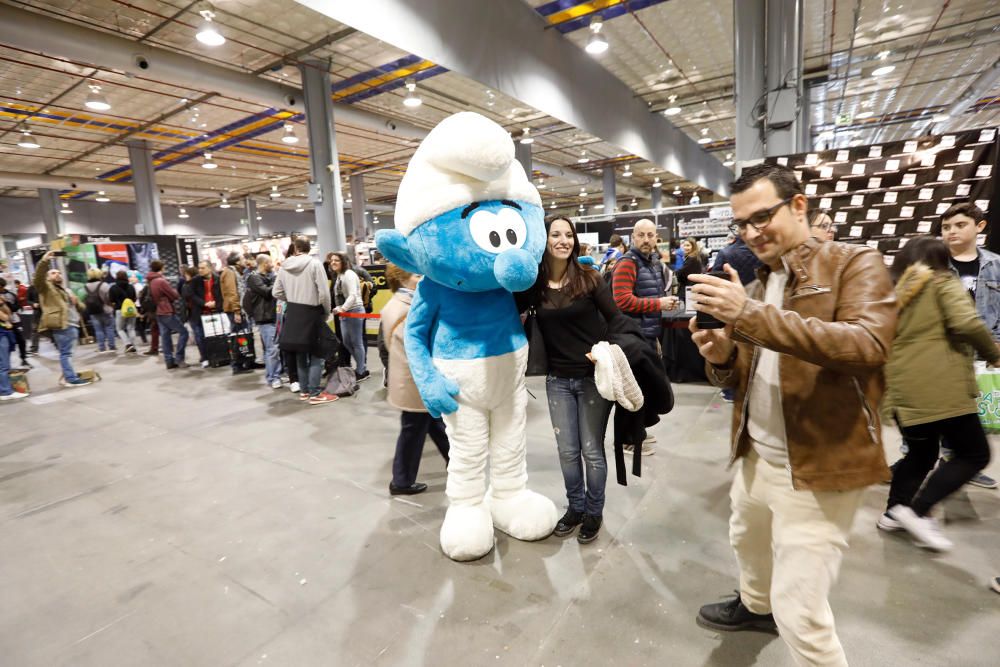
(302, 283)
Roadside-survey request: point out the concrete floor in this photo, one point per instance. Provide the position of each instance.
(193, 518)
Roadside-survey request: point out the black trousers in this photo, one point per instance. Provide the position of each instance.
(414, 427)
(970, 454)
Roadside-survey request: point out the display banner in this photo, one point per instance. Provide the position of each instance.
(879, 195)
(380, 296)
(79, 258)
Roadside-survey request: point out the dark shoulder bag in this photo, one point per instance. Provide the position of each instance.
(538, 358)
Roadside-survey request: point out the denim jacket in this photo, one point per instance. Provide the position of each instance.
(988, 290)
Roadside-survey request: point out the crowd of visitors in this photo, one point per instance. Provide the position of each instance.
(817, 342)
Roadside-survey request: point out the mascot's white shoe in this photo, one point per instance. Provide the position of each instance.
(467, 532)
(525, 515)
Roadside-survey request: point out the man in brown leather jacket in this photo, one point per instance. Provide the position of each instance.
(803, 346)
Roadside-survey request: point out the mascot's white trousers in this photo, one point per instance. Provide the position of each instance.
(490, 423)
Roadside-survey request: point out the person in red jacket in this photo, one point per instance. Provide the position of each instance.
(164, 295)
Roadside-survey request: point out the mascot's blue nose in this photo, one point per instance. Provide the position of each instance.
(515, 270)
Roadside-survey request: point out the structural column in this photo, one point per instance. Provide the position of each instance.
(522, 153)
(784, 76)
(655, 194)
(324, 162)
(358, 202)
(805, 120)
(748, 36)
(253, 227)
(147, 195)
(50, 214)
(610, 198)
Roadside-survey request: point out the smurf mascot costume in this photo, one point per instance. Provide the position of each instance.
(469, 220)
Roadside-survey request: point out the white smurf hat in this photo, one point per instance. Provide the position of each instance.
(466, 158)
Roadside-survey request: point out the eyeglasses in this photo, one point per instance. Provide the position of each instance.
(825, 226)
(758, 220)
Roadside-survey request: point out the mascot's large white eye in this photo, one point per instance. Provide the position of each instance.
(496, 232)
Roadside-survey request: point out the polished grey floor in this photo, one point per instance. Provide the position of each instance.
(193, 518)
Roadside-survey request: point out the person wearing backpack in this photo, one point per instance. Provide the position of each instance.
(415, 423)
(147, 310)
(15, 321)
(262, 308)
(164, 298)
(99, 311)
(123, 299)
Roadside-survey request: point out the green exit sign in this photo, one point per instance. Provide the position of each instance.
(844, 119)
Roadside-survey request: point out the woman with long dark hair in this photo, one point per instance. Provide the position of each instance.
(573, 306)
(931, 388)
(347, 286)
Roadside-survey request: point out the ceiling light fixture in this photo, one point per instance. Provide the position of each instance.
(298, 208)
(882, 71)
(552, 205)
(705, 140)
(657, 183)
(207, 33)
(66, 208)
(540, 184)
(412, 100)
(491, 99)
(274, 192)
(101, 197)
(527, 138)
(289, 136)
(596, 43)
(673, 109)
(28, 141)
(677, 190)
(183, 215)
(209, 163)
(224, 203)
(583, 157)
(96, 99)
(627, 172)
(863, 115)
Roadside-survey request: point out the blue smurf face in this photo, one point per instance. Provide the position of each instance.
(479, 247)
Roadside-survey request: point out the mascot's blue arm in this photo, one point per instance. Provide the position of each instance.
(437, 391)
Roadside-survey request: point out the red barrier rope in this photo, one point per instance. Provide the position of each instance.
(360, 316)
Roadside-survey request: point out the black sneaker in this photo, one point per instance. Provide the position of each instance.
(412, 490)
(732, 615)
(363, 376)
(568, 523)
(171, 366)
(588, 531)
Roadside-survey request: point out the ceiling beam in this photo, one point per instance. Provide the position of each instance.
(545, 70)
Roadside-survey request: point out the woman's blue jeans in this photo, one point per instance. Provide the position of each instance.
(579, 417)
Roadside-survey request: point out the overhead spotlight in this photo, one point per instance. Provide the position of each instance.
(582, 208)
(66, 208)
(101, 197)
(634, 202)
(705, 140)
(298, 208)
(863, 115)
(225, 202)
(882, 55)
(274, 192)
(412, 100)
(28, 141)
(260, 217)
(882, 71)
(491, 99)
(673, 109)
(540, 184)
(596, 43)
(289, 136)
(209, 163)
(527, 138)
(657, 183)
(96, 99)
(183, 215)
(552, 205)
(583, 158)
(583, 192)
(627, 172)
(728, 163)
(207, 33)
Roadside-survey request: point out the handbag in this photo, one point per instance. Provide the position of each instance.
(538, 358)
